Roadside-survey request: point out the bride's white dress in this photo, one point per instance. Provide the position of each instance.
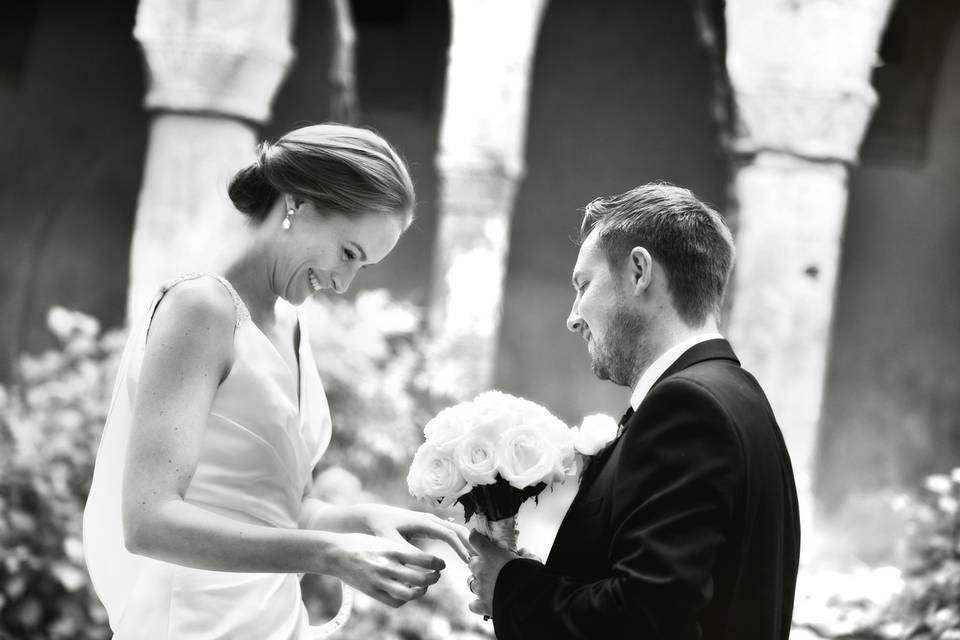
(265, 432)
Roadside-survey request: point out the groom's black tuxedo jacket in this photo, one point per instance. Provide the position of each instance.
(686, 527)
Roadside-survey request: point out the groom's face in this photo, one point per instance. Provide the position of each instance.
(602, 314)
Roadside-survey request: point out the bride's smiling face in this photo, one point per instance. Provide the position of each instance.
(323, 250)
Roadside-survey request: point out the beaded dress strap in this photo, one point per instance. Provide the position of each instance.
(242, 313)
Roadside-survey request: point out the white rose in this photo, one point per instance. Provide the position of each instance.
(527, 456)
(562, 438)
(476, 457)
(594, 433)
(521, 409)
(448, 425)
(433, 474)
(490, 423)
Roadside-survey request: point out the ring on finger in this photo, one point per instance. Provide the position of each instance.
(472, 583)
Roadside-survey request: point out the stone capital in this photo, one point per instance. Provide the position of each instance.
(220, 56)
(800, 71)
(811, 122)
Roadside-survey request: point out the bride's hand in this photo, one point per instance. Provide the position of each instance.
(403, 524)
(389, 571)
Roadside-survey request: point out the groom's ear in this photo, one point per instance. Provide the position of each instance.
(641, 269)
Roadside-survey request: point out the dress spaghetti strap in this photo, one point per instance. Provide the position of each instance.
(242, 313)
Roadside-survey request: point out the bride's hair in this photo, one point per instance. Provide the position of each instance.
(336, 167)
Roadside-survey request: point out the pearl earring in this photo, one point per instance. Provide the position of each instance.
(287, 220)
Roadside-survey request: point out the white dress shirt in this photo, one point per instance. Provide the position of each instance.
(664, 362)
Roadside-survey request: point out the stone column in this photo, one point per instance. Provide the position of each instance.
(213, 68)
(800, 72)
(480, 164)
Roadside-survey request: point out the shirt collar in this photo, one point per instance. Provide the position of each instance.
(661, 364)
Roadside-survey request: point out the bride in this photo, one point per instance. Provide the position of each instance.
(198, 520)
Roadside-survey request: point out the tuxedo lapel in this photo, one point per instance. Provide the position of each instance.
(707, 350)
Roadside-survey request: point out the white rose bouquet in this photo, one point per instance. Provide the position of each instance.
(492, 454)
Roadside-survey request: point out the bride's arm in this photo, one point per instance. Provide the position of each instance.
(187, 354)
(385, 521)
(317, 515)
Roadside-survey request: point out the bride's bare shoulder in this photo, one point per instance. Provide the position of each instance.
(195, 307)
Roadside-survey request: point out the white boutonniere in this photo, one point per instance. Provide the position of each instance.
(594, 433)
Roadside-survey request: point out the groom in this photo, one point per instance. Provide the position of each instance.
(686, 526)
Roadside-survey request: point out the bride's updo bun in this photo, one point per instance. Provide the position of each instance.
(338, 168)
(250, 190)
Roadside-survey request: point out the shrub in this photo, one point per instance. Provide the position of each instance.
(368, 352)
(925, 601)
(50, 428)
(928, 608)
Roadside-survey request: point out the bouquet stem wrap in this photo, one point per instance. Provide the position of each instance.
(504, 532)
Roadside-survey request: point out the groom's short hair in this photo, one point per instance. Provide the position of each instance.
(686, 236)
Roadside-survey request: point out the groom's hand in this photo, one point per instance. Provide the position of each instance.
(485, 568)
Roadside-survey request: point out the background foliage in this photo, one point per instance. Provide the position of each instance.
(919, 601)
(369, 355)
(49, 431)
(50, 423)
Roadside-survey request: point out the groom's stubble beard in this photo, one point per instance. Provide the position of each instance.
(621, 356)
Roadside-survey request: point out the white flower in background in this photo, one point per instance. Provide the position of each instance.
(594, 433)
(937, 484)
(336, 485)
(433, 474)
(389, 317)
(948, 505)
(73, 549)
(955, 476)
(475, 455)
(65, 323)
(527, 457)
(60, 321)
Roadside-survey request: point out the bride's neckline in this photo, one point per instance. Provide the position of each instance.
(297, 372)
